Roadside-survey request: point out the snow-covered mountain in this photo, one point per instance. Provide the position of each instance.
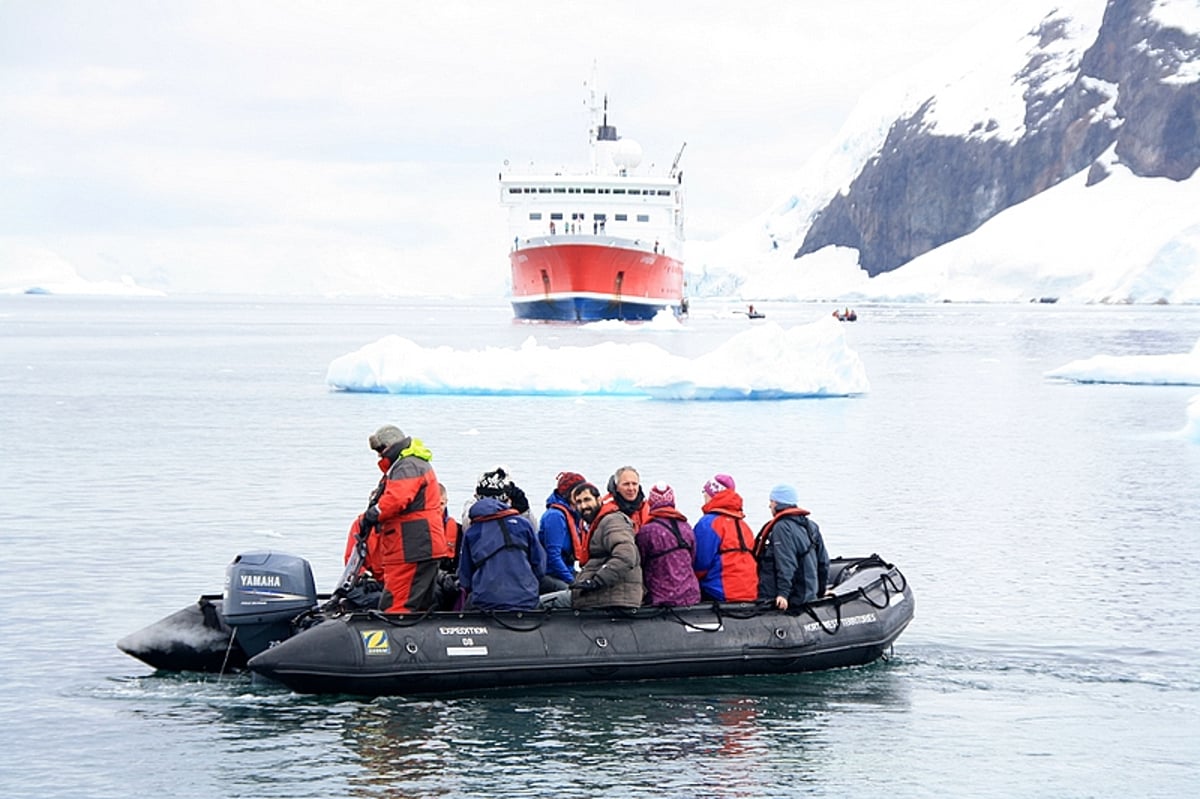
(1055, 158)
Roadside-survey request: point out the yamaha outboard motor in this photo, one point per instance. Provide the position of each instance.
(264, 591)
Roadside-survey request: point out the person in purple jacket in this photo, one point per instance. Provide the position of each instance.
(666, 544)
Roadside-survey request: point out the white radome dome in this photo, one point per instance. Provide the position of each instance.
(628, 154)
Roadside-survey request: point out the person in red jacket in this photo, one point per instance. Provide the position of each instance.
(403, 523)
(724, 560)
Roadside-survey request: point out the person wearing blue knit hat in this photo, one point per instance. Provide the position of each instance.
(793, 564)
(784, 494)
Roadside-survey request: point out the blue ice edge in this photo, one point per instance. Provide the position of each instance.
(677, 392)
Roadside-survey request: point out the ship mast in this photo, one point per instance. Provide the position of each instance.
(595, 118)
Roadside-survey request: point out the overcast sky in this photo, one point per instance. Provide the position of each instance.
(147, 137)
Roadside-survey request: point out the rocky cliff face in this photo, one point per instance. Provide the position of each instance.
(1136, 89)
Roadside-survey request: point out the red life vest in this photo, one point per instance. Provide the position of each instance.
(764, 534)
(667, 512)
(638, 517)
(453, 528)
(500, 514)
(672, 517)
(739, 566)
(605, 509)
(578, 541)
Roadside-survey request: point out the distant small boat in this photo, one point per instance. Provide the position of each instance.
(753, 314)
(848, 315)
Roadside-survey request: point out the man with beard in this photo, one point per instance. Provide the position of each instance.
(611, 577)
(610, 568)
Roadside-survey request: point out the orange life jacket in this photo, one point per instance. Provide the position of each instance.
(764, 534)
(739, 565)
(579, 540)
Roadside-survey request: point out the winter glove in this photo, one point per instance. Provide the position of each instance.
(584, 586)
(370, 518)
(517, 498)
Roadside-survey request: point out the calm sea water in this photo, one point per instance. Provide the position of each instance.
(1049, 530)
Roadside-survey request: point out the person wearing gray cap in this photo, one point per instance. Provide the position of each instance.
(402, 526)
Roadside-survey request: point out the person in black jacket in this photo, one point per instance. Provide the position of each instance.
(793, 564)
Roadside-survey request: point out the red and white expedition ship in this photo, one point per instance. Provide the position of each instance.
(604, 243)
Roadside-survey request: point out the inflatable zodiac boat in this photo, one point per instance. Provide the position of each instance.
(271, 620)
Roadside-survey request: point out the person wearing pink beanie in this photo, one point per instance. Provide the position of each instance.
(666, 544)
(724, 561)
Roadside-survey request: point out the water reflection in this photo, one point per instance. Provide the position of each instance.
(719, 737)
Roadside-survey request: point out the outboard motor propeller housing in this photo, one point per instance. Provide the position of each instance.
(264, 591)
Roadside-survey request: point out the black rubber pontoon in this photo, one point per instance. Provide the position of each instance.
(374, 654)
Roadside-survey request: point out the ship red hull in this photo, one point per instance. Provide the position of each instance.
(583, 282)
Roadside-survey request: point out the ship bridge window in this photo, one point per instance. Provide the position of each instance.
(514, 190)
(622, 217)
(618, 191)
(572, 190)
(604, 191)
(643, 217)
(534, 216)
(635, 191)
(544, 190)
(559, 190)
(589, 191)
(664, 192)
(556, 215)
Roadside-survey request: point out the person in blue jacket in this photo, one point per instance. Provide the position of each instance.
(501, 561)
(559, 531)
